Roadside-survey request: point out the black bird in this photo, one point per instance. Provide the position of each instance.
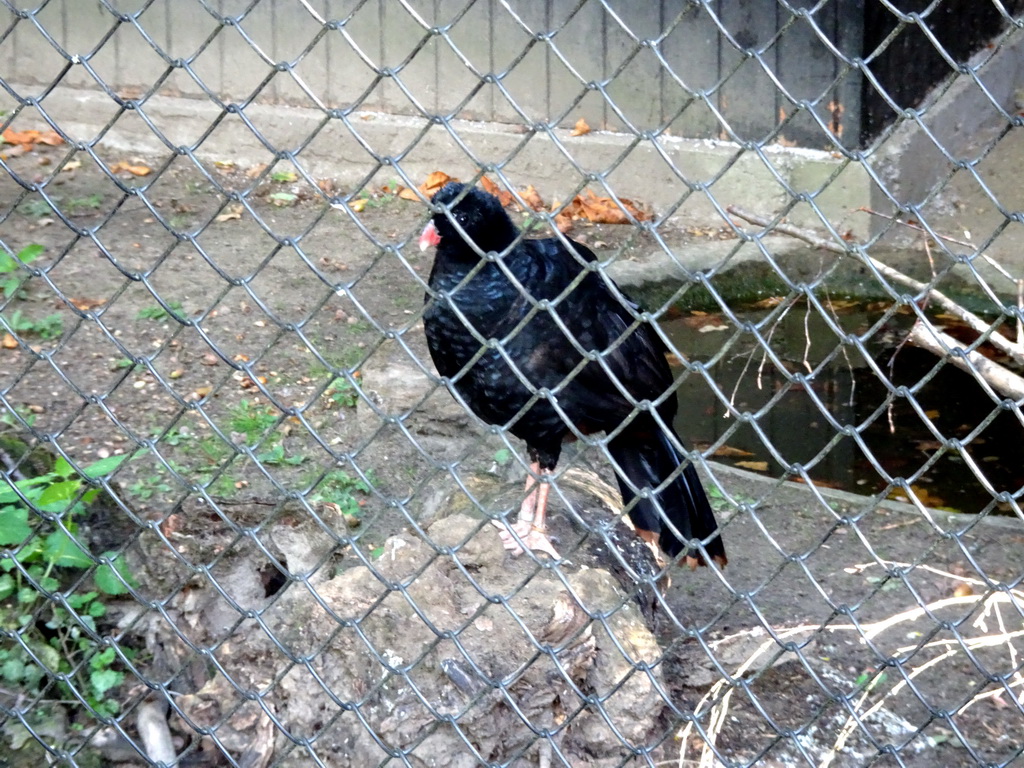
(538, 340)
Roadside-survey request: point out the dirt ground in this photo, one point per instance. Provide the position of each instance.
(299, 370)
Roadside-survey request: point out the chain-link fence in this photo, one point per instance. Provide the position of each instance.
(244, 522)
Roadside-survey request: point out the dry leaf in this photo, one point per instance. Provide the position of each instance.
(532, 198)
(71, 165)
(134, 170)
(9, 342)
(604, 210)
(728, 450)
(358, 205)
(580, 129)
(86, 304)
(434, 182)
(563, 222)
(503, 195)
(408, 194)
(963, 589)
(26, 139)
(50, 138)
(233, 212)
(757, 466)
(250, 173)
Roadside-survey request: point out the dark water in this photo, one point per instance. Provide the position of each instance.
(898, 435)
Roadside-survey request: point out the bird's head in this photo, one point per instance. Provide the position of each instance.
(478, 214)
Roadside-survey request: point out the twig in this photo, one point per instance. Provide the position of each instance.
(936, 236)
(1000, 342)
(1003, 381)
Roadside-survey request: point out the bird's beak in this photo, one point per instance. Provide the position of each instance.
(429, 236)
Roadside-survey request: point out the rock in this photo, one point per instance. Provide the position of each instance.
(446, 651)
(401, 388)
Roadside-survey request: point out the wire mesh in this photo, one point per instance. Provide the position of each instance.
(242, 519)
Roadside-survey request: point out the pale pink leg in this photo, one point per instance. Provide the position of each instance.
(530, 527)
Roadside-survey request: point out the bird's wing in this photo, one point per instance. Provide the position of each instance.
(632, 353)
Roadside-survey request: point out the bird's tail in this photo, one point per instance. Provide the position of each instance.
(646, 458)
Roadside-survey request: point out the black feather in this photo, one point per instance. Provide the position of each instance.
(486, 284)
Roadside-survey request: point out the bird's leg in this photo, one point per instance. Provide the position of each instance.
(530, 526)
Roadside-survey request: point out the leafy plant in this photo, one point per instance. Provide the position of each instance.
(341, 488)
(252, 420)
(159, 313)
(342, 394)
(10, 268)
(38, 528)
(275, 455)
(49, 327)
(283, 199)
(90, 202)
(36, 208)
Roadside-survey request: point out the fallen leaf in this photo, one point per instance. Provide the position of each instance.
(532, 198)
(9, 342)
(563, 222)
(26, 139)
(604, 210)
(86, 304)
(210, 359)
(50, 138)
(233, 212)
(728, 450)
(434, 182)
(408, 194)
(71, 165)
(134, 170)
(580, 129)
(503, 195)
(963, 590)
(757, 466)
(358, 205)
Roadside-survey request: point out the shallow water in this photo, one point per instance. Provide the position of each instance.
(778, 422)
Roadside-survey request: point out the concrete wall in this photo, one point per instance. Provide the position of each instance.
(428, 57)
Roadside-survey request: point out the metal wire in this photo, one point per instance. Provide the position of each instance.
(268, 575)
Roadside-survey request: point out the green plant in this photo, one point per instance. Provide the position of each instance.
(8, 418)
(39, 527)
(339, 487)
(283, 199)
(10, 268)
(252, 420)
(284, 177)
(36, 208)
(90, 202)
(275, 455)
(342, 394)
(159, 313)
(49, 327)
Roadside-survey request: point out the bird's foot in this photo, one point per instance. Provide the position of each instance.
(530, 535)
